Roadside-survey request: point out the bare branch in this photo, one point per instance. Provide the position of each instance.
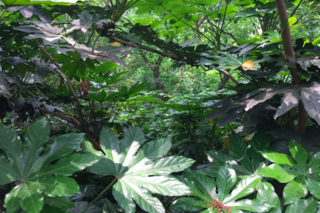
(230, 76)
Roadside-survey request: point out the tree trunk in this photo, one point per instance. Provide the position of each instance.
(290, 57)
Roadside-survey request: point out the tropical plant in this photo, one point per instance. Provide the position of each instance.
(194, 72)
(138, 169)
(301, 172)
(40, 179)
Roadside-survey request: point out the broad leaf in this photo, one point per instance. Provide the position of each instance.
(85, 22)
(302, 176)
(303, 206)
(248, 159)
(140, 171)
(310, 96)
(33, 171)
(216, 194)
(290, 100)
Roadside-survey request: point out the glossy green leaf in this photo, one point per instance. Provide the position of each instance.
(140, 170)
(205, 184)
(277, 172)
(237, 147)
(226, 179)
(249, 205)
(212, 193)
(303, 206)
(277, 158)
(267, 194)
(295, 190)
(260, 141)
(219, 159)
(298, 152)
(243, 188)
(59, 202)
(313, 169)
(314, 187)
(188, 204)
(34, 173)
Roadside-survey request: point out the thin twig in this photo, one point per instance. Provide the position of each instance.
(224, 17)
(295, 9)
(254, 26)
(68, 84)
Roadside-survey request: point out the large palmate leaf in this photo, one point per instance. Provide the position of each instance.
(308, 93)
(85, 22)
(140, 171)
(215, 195)
(244, 156)
(28, 164)
(302, 176)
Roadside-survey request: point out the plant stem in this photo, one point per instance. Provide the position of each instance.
(95, 200)
(290, 57)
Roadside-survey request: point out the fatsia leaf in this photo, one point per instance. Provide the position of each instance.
(215, 195)
(277, 158)
(85, 22)
(33, 169)
(248, 159)
(314, 187)
(267, 194)
(132, 162)
(303, 206)
(300, 175)
(295, 190)
(38, 29)
(277, 172)
(188, 204)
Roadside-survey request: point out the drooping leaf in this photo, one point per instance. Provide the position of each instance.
(290, 100)
(310, 96)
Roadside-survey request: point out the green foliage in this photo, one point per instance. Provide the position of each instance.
(195, 72)
(138, 170)
(226, 179)
(301, 173)
(28, 164)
